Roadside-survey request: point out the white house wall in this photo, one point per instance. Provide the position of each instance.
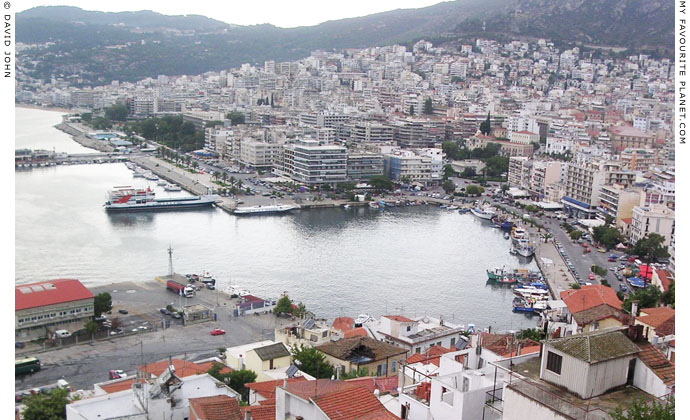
(416, 410)
(606, 375)
(646, 380)
(518, 407)
(574, 372)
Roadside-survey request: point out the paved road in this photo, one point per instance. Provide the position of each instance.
(85, 364)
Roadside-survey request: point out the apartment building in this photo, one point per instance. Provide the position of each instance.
(523, 137)
(409, 165)
(313, 163)
(371, 132)
(623, 137)
(618, 202)
(259, 154)
(639, 159)
(542, 175)
(583, 185)
(655, 219)
(362, 166)
(215, 139)
(519, 171)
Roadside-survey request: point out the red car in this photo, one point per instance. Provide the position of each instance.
(217, 331)
(117, 374)
(591, 276)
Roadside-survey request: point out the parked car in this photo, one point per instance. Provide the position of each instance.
(217, 331)
(165, 311)
(19, 345)
(176, 315)
(116, 374)
(123, 311)
(591, 276)
(624, 288)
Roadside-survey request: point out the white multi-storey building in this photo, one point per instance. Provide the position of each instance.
(314, 163)
(654, 219)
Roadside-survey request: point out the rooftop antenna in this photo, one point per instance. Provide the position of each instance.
(170, 264)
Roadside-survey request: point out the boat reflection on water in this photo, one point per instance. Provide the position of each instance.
(131, 219)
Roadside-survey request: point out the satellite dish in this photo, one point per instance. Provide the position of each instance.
(426, 319)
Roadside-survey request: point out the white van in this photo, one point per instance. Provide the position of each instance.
(62, 334)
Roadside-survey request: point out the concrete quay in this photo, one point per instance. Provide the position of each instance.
(78, 133)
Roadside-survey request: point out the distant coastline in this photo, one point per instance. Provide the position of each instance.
(45, 108)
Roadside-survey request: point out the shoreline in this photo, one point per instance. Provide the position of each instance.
(43, 108)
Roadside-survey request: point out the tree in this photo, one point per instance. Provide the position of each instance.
(117, 112)
(91, 328)
(411, 110)
(236, 117)
(284, 306)
(272, 100)
(641, 410)
(359, 373)
(451, 149)
(535, 334)
(645, 298)
(669, 296)
(448, 186)
(607, 236)
(381, 183)
(468, 172)
(86, 117)
(651, 247)
(485, 126)
(504, 188)
(102, 302)
(238, 379)
(474, 190)
(46, 406)
(312, 361)
(428, 106)
(448, 171)
(575, 235)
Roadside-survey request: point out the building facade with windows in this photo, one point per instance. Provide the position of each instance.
(654, 219)
(313, 163)
(44, 307)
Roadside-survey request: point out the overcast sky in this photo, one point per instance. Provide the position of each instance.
(245, 12)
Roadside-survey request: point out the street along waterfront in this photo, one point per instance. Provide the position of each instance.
(410, 260)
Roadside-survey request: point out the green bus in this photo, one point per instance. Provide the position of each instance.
(26, 365)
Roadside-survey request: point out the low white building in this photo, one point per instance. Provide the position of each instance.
(416, 335)
(164, 397)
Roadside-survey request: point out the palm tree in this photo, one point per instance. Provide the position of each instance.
(232, 180)
(195, 164)
(223, 176)
(215, 175)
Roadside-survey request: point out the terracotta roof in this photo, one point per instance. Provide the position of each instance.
(182, 368)
(371, 383)
(357, 346)
(120, 385)
(656, 316)
(626, 130)
(33, 295)
(308, 389)
(667, 327)
(597, 346)
(267, 389)
(351, 404)
(398, 318)
(343, 323)
(526, 132)
(664, 279)
(504, 345)
(597, 313)
(356, 332)
(590, 296)
(261, 412)
(208, 365)
(627, 220)
(218, 407)
(433, 355)
(657, 362)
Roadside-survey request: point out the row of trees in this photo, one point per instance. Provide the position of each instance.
(170, 130)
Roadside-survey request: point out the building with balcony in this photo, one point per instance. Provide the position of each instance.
(623, 137)
(584, 182)
(639, 159)
(354, 353)
(416, 335)
(258, 154)
(405, 164)
(312, 163)
(362, 166)
(618, 202)
(654, 219)
(371, 132)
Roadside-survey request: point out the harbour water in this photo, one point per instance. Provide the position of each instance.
(407, 260)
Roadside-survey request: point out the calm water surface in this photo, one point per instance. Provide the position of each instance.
(411, 260)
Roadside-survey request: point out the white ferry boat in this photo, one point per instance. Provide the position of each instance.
(130, 199)
(172, 187)
(275, 208)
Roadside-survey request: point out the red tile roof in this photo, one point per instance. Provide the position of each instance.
(205, 366)
(33, 295)
(662, 319)
(356, 332)
(398, 318)
(261, 412)
(589, 297)
(352, 404)
(384, 385)
(433, 355)
(343, 323)
(526, 132)
(218, 407)
(267, 389)
(182, 368)
(119, 385)
(657, 362)
(664, 279)
(308, 389)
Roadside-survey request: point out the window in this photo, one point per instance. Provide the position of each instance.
(324, 334)
(553, 362)
(313, 337)
(452, 342)
(409, 328)
(418, 350)
(393, 366)
(439, 343)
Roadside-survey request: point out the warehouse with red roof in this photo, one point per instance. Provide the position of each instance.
(42, 308)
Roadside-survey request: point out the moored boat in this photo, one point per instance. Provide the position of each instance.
(172, 188)
(276, 208)
(485, 213)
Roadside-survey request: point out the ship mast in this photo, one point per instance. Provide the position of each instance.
(170, 264)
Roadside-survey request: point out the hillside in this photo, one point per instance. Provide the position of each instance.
(99, 47)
